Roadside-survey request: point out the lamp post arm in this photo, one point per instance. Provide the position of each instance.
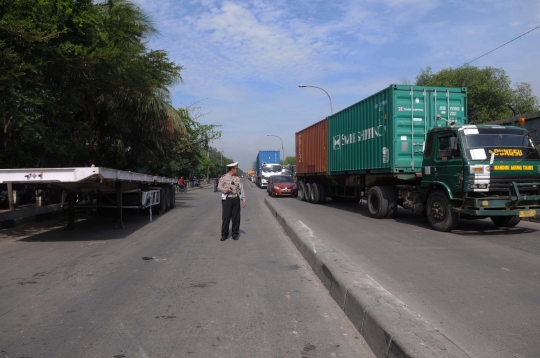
(322, 89)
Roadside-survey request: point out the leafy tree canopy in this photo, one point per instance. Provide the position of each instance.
(490, 94)
(80, 87)
(288, 160)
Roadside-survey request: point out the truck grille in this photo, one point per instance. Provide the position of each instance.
(502, 183)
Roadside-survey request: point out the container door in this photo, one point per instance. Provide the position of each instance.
(451, 107)
(411, 107)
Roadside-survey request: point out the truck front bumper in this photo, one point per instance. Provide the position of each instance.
(525, 206)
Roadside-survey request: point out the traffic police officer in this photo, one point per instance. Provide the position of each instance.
(232, 191)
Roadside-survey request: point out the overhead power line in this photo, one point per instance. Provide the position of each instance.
(502, 45)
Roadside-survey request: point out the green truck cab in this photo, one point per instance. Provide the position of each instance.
(479, 171)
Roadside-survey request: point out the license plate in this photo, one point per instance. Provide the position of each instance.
(527, 213)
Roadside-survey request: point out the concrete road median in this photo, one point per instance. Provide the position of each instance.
(390, 328)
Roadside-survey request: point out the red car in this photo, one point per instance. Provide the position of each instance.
(282, 185)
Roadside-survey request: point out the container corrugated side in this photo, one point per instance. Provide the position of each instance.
(385, 132)
(267, 156)
(312, 149)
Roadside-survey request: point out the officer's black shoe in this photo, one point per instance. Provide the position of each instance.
(235, 237)
(223, 238)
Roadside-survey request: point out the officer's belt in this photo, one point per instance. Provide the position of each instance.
(232, 195)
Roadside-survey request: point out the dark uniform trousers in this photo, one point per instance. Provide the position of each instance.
(231, 210)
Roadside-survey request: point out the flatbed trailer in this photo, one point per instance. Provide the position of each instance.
(98, 187)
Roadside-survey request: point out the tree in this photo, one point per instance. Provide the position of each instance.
(489, 91)
(288, 160)
(80, 87)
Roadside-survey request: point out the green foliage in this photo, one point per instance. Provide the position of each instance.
(490, 95)
(80, 87)
(288, 160)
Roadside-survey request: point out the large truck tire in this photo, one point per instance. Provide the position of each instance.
(506, 221)
(302, 191)
(314, 193)
(309, 188)
(440, 213)
(377, 202)
(392, 202)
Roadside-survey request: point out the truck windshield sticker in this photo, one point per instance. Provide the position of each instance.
(506, 152)
(478, 154)
(469, 131)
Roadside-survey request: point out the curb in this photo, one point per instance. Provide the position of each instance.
(389, 327)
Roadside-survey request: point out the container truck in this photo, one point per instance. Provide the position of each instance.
(267, 165)
(411, 146)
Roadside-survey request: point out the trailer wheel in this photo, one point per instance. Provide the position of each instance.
(302, 191)
(309, 189)
(439, 212)
(392, 202)
(377, 200)
(506, 221)
(315, 193)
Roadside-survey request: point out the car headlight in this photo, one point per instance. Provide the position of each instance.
(294, 186)
(276, 187)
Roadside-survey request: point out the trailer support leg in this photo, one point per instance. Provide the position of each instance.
(71, 210)
(10, 197)
(120, 222)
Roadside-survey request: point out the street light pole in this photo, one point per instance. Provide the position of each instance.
(283, 150)
(331, 108)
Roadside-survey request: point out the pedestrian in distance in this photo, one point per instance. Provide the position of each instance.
(181, 183)
(230, 185)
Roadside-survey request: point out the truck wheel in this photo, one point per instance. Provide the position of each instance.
(301, 190)
(506, 221)
(309, 188)
(305, 192)
(439, 212)
(377, 200)
(392, 202)
(314, 193)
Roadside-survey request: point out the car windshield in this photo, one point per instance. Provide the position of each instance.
(271, 168)
(505, 144)
(283, 179)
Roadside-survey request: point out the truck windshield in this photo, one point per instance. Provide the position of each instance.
(271, 168)
(504, 143)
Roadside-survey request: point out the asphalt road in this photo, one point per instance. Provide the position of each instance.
(479, 285)
(90, 293)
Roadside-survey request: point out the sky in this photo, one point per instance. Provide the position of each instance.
(243, 60)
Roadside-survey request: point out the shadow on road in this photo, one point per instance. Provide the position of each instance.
(89, 226)
(464, 227)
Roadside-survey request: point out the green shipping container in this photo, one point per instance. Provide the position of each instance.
(385, 132)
